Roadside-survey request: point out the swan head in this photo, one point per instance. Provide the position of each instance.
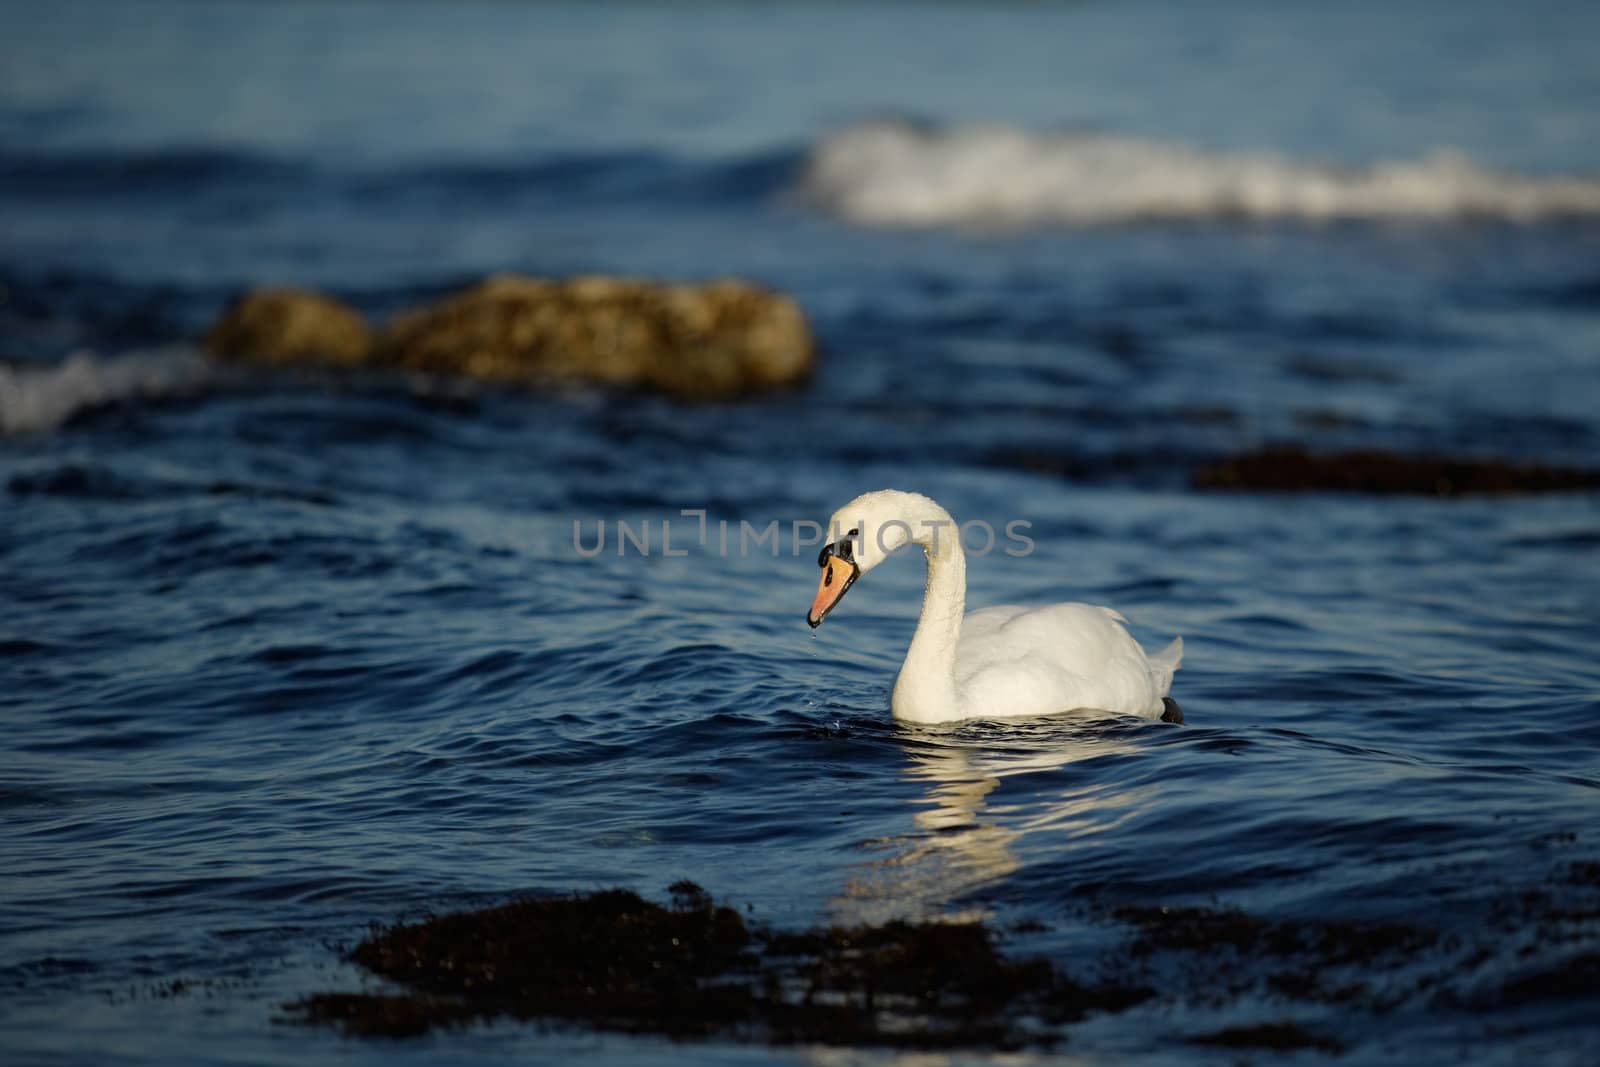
(863, 534)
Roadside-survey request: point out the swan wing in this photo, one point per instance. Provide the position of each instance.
(1029, 661)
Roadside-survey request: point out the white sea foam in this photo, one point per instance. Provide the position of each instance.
(899, 174)
(37, 398)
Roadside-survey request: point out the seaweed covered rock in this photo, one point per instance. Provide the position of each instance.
(712, 341)
(610, 956)
(616, 961)
(1199, 974)
(694, 342)
(289, 326)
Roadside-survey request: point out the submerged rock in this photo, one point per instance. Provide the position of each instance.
(289, 326)
(695, 342)
(1290, 467)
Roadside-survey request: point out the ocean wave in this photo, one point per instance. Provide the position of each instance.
(190, 170)
(601, 176)
(38, 398)
(179, 169)
(897, 173)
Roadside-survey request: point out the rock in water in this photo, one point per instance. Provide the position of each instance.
(706, 342)
(694, 342)
(291, 326)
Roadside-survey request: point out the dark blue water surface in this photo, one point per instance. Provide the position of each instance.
(281, 655)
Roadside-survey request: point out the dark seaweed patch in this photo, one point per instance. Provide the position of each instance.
(1576, 977)
(1228, 953)
(376, 1015)
(1285, 1036)
(615, 961)
(1291, 468)
(1330, 942)
(695, 968)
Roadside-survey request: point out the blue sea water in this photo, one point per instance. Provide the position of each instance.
(283, 655)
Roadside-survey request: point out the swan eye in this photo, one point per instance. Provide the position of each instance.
(845, 551)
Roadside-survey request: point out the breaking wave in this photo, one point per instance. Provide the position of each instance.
(897, 173)
(37, 398)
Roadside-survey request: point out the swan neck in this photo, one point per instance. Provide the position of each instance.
(926, 688)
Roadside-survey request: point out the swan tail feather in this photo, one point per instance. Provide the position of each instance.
(1172, 655)
(1165, 663)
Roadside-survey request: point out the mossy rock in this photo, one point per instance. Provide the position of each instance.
(706, 342)
(715, 341)
(281, 326)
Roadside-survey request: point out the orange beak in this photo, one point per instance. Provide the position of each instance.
(838, 574)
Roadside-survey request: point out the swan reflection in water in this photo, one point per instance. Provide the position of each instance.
(967, 829)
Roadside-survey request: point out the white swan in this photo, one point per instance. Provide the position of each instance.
(1000, 662)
